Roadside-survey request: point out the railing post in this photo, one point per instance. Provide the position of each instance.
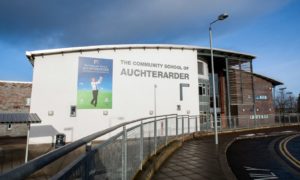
(176, 126)
(166, 129)
(234, 122)
(155, 135)
(141, 144)
(204, 119)
(298, 118)
(27, 142)
(124, 154)
(196, 124)
(249, 123)
(289, 118)
(87, 161)
(199, 122)
(220, 120)
(188, 124)
(182, 124)
(208, 122)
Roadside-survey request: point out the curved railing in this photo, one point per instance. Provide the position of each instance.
(120, 156)
(119, 152)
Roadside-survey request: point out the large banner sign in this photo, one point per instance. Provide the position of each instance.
(94, 87)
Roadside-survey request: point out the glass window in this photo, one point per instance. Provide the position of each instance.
(200, 90)
(200, 68)
(207, 90)
(28, 101)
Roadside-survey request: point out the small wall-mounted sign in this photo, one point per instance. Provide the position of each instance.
(260, 116)
(150, 112)
(261, 97)
(105, 113)
(73, 111)
(50, 113)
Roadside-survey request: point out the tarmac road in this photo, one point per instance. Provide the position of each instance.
(264, 158)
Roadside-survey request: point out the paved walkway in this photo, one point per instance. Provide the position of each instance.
(197, 159)
(202, 159)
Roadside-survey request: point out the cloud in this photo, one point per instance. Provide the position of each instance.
(78, 22)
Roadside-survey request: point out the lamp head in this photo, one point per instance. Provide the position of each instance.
(223, 16)
(281, 89)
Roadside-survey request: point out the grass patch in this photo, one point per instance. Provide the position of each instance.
(84, 98)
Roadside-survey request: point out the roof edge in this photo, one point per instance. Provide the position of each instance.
(273, 81)
(31, 54)
(19, 82)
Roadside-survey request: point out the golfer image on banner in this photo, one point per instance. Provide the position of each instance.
(95, 90)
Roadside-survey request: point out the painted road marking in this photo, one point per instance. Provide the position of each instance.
(260, 174)
(285, 152)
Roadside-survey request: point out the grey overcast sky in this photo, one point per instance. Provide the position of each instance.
(266, 29)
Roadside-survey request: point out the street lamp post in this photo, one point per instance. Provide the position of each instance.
(220, 18)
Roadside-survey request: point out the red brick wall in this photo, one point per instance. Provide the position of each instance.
(242, 98)
(13, 97)
(264, 107)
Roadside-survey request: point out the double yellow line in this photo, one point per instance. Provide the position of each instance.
(284, 151)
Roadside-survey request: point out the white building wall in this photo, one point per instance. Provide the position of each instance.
(55, 90)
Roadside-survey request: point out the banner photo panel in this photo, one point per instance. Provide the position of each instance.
(94, 85)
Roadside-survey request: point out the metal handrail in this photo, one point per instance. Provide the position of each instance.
(32, 166)
(191, 121)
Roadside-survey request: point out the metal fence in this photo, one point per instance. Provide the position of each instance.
(251, 121)
(133, 143)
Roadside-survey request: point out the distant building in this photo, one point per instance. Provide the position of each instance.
(14, 98)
